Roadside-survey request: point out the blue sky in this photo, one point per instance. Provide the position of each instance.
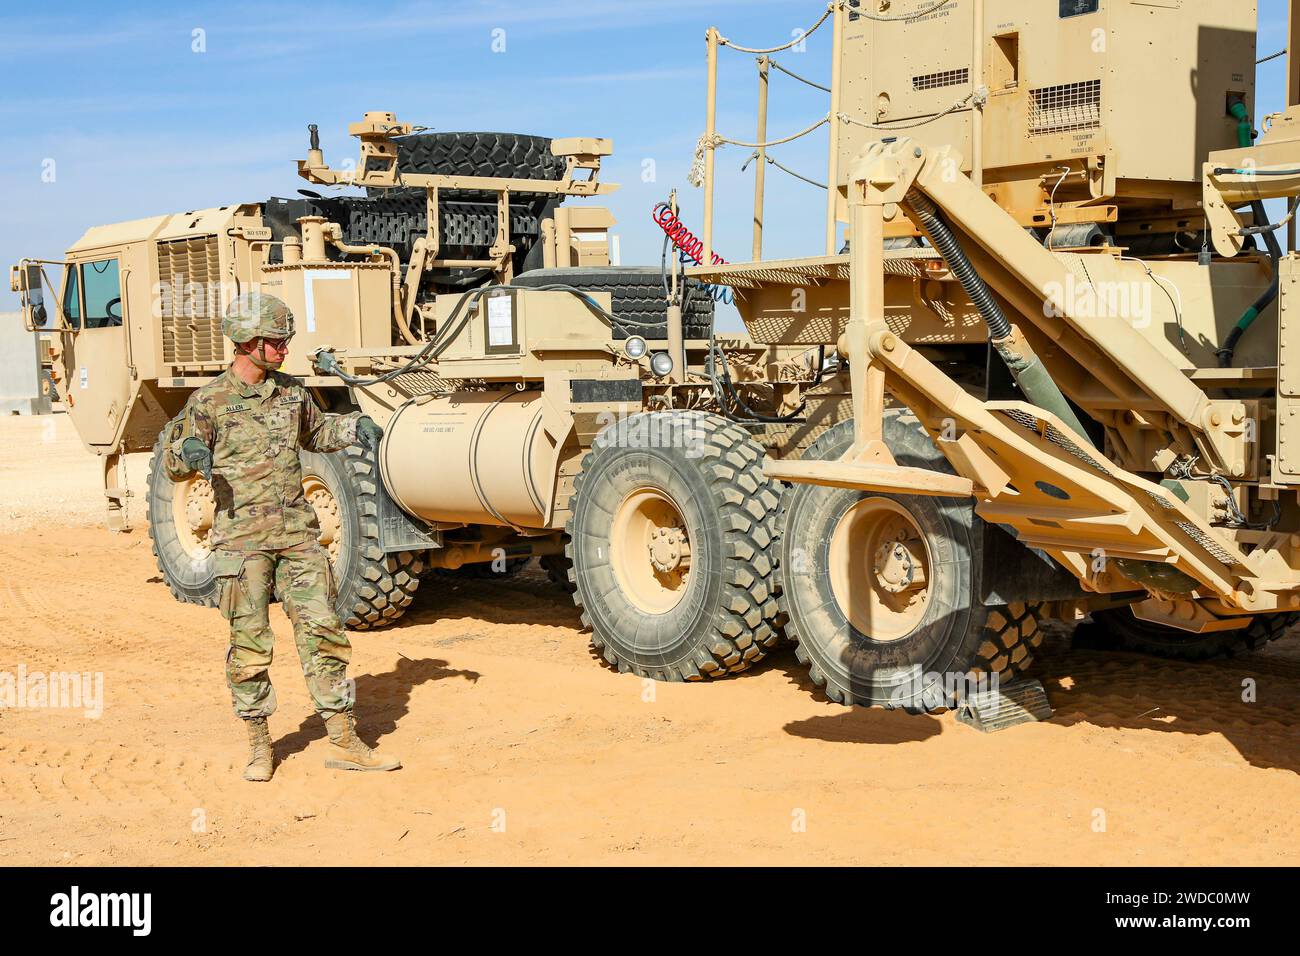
(139, 124)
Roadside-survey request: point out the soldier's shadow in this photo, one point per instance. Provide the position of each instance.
(382, 700)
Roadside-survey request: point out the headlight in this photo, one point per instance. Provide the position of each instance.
(635, 347)
(661, 363)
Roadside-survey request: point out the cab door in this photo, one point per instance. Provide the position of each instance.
(96, 356)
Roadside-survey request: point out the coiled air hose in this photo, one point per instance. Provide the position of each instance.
(1030, 375)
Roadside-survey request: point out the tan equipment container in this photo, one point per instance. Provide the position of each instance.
(1064, 113)
(1059, 310)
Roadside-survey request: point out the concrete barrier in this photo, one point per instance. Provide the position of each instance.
(20, 369)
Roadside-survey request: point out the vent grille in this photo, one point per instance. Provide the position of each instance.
(933, 81)
(189, 273)
(1070, 106)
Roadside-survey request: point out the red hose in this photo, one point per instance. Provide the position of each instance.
(681, 237)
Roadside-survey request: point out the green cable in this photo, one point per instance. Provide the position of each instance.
(1245, 138)
(1245, 130)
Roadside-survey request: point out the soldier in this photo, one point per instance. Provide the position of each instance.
(243, 432)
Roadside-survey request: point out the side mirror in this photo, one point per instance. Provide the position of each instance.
(25, 279)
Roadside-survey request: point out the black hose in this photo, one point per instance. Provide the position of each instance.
(739, 402)
(1229, 171)
(1266, 298)
(443, 338)
(821, 369)
(1033, 378)
(942, 238)
(1274, 226)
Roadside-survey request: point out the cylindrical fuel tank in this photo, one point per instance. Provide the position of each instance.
(472, 457)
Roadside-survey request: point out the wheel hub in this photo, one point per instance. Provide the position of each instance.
(650, 550)
(669, 549)
(899, 567)
(201, 507)
(325, 505)
(194, 510)
(880, 569)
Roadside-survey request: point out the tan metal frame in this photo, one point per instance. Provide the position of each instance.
(378, 168)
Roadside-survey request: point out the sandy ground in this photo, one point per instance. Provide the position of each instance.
(519, 747)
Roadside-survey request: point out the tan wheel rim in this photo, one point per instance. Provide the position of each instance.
(327, 514)
(194, 508)
(880, 569)
(650, 551)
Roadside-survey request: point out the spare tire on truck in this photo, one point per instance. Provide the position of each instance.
(638, 298)
(469, 216)
(506, 155)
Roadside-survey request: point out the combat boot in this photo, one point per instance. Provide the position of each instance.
(259, 751)
(347, 752)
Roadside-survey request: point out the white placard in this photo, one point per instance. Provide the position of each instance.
(501, 321)
(309, 279)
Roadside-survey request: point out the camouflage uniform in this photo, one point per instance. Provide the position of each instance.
(265, 533)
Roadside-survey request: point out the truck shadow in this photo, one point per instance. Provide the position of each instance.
(1087, 680)
(527, 597)
(1252, 699)
(860, 725)
(382, 701)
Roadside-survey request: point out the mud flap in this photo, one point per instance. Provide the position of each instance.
(1009, 571)
(399, 531)
(1020, 702)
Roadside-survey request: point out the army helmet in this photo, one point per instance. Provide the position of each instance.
(254, 315)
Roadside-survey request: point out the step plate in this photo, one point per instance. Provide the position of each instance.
(1020, 702)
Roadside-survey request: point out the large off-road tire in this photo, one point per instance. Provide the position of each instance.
(559, 571)
(878, 588)
(180, 520)
(672, 543)
(468, 223)
(513, 155)
(637, 297)
(374, 589)
(1145, 637)
(466, 230)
